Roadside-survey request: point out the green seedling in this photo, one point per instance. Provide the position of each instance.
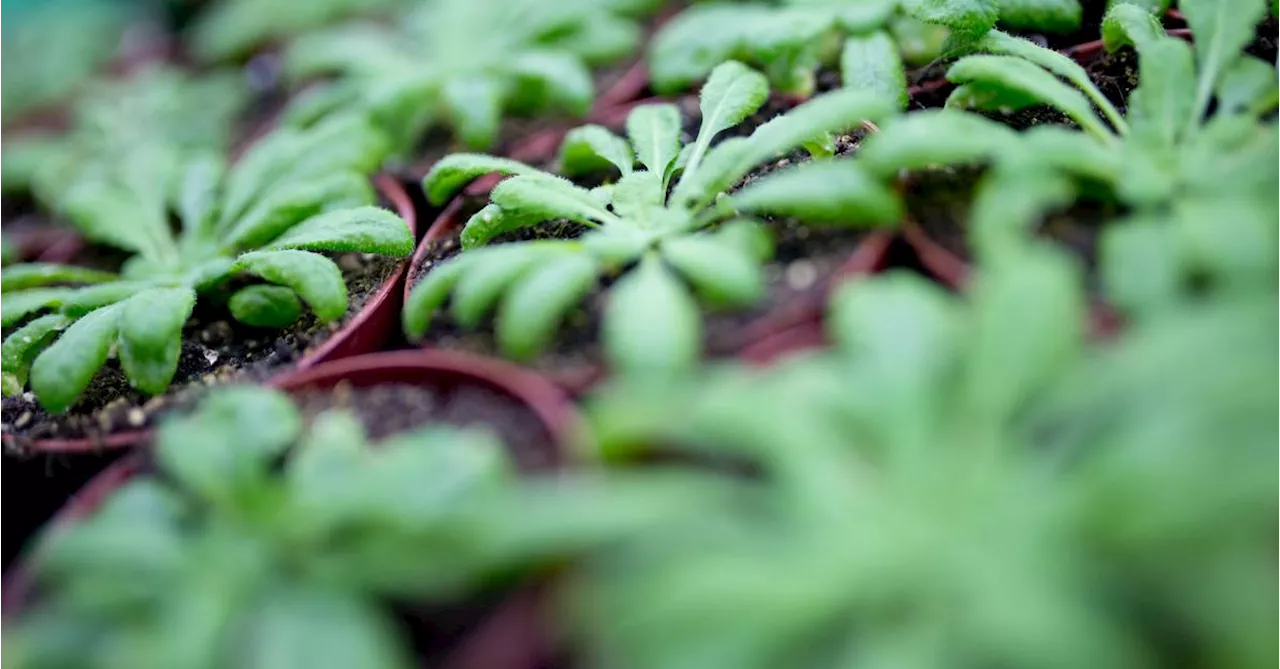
(661, 227)
(292, 194)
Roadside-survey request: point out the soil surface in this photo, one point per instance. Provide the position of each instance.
(394, 408)
(805, 260)
(216, 349)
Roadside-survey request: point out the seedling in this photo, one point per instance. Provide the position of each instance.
(52, 48)
(464, 64)
(1191, 157)
(223, 556)
(234, 29)
(791, 39)
(653, 235)
(293, 193)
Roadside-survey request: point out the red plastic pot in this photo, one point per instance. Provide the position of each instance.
(510, 636)
(366, 332)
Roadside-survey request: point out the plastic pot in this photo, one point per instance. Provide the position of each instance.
(510, 634)
(367, 331)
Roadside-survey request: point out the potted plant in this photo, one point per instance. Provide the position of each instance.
(271, 217)
(464, 65)
(647, 235)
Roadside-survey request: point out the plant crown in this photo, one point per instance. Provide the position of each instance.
(464, 64)
(669, 220)
(223, 557)
(790, 39)
(1193, 158)
(293, 193)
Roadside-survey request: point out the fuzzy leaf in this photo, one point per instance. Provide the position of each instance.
(1162, 102)
(651, 323)
(359, 229)
(150, 336)
(197, 197)
(265, 306)
(1248, 82)
(835, 112)
(22, 347)
(492, 221)
(833, 192)
(17, 306)
(563, 79)
(32, 275)
(532, 310)
(967, 19)
(1222, 29)
(430, 293)
(654, 131)
(487, 277)
(990, 76)
(283, 208)
(592, 148)
(81, 301)
(724, 166)
(548, 197)
(719, 270)
(312, 276)
(64, 370)
(475, 107)
(1128, 24)
(1046, 15)
(636, 194)
(871, 63)
(935, 137)
(456, 170)
(732, 93)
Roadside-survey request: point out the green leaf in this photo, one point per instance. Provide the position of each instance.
(592, 148)
(829, 192)
(564, 81)
(616, 246)
(835, 112)
(651, 324)
(654, 131)
(64, 370)
(486, 278)
(532, 310)
(80, 301)
(430, 293)
(150, 336)
(1128, 24)
(1245, 86)
(990, 77)
(1029, 323)
(871, 62)
(296, 627)
(17, 306)
(474, 105)
(456, 170)
(724, 166)
(967, 19)
(1048, 15)
(198, 192)
(1163, 99)
(1140, 265)
(548, 197)
(749, 236)
(722, 272)
(1010, 201)
(1222, 29)
(1071, 151)
(283, 208)
(935, 137)
(312, 276)
(265, 306)
(21, 348)
(492, 221)
(636, 194)
(359, 229)
(732, 93)
(32, 275)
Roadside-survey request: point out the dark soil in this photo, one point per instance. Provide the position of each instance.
(216, 349)
(805, 259)
(394, 408)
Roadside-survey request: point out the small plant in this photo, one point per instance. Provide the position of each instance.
(291, 194)
(223, 557)
(790, 39)
(164, 109)
(1191, 158)
(464, 64)
(670, 219)
(233, 29)
(51, 48)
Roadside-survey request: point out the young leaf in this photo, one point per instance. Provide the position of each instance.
(1222, 29)
(654, 132)
(62, 371)
(358, 229)
(732, 93)
(17, 306)
(651, 323)
(993, 75)
(967, 19)
(935, 137)
(531, 312)
(1245, 86)
(549, 197)
(456, 170)
(1163, 100)
(1047, 15)
(837, 193)
(33, 275)
(486, 279)
(265, 306)
(719, 270)
(475, 107)
(591, 148)
(150, 335)
(871, 62)
(1127, 23)
(313, 277)
(835, 112)
(563, 78)
(1140, 265)
(636, 195)
(492, 221)
(22, 346)
(430, 293)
